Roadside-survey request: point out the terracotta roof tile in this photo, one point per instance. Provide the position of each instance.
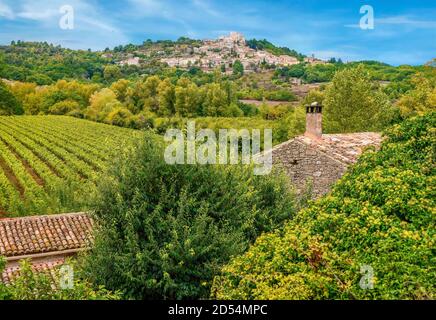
(345, 148)
(43, 234)
(47, 266)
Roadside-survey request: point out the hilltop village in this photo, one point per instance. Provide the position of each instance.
(222, 52)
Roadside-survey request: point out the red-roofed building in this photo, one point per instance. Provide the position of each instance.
(45, 240)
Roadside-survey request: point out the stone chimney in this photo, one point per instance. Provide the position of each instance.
(314, 121)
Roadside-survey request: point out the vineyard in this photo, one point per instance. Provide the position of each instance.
(49, 164)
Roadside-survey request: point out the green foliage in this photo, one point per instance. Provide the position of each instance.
(102, 103)
(264, 94)
(398, 77)
(55, 161)
(380, 214)
(291, 124)
(353, 103)
(268, 46)
(166, 230)
(238, 68)
(9, 105)
(45, 64)
(64, 107)
(121, 117)
(422, 98)
(31, 285)
(111, 73)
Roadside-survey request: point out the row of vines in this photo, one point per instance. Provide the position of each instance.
(49, 164)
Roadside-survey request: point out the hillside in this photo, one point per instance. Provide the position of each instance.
(45, 63)
(48, 164)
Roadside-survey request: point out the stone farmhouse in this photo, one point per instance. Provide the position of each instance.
(315, 161)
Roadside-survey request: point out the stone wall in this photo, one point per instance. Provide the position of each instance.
(307, 166)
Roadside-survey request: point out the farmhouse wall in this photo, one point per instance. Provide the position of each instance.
(308, 168)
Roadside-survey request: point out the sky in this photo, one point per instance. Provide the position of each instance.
(404, 32)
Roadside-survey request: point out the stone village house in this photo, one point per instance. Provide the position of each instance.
(314, 159)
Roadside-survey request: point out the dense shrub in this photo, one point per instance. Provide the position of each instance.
(380, 216)
(9, 105)
(64, 107)
(166, 230)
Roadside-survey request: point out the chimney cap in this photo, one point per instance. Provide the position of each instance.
(314, 107)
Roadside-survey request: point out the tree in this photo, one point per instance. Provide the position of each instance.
(120, 89)
(64, 107)
(167, 97)
(121, 117)
(187, 98)
(354, 103)
(215, 102)
(9, 105)
(101, 104)
(151, 86)
(422, 98)
(238, 68)
(165, 230)
(111, 73)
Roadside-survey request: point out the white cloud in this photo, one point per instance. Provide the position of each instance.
(93, 28)
(406, 21)
(205, 7)
(6, 11)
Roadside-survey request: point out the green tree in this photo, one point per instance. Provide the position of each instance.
(165, 230)
(64, 107)
(111, 73)
(238, 68)
(120, 88)
(187, 97)
(422, 98)
(215, 102)
(151, 86)
(354, 103)
(167, 97)
(102, 103)
(9, 105)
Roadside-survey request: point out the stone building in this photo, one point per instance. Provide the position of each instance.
(314, 161)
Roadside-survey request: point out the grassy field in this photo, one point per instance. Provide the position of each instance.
(49, 164)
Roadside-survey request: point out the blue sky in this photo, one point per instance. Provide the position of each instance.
(404, 31)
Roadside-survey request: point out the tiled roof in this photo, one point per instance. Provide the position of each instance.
(46, 266)
(44, 234)
(345, 148)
